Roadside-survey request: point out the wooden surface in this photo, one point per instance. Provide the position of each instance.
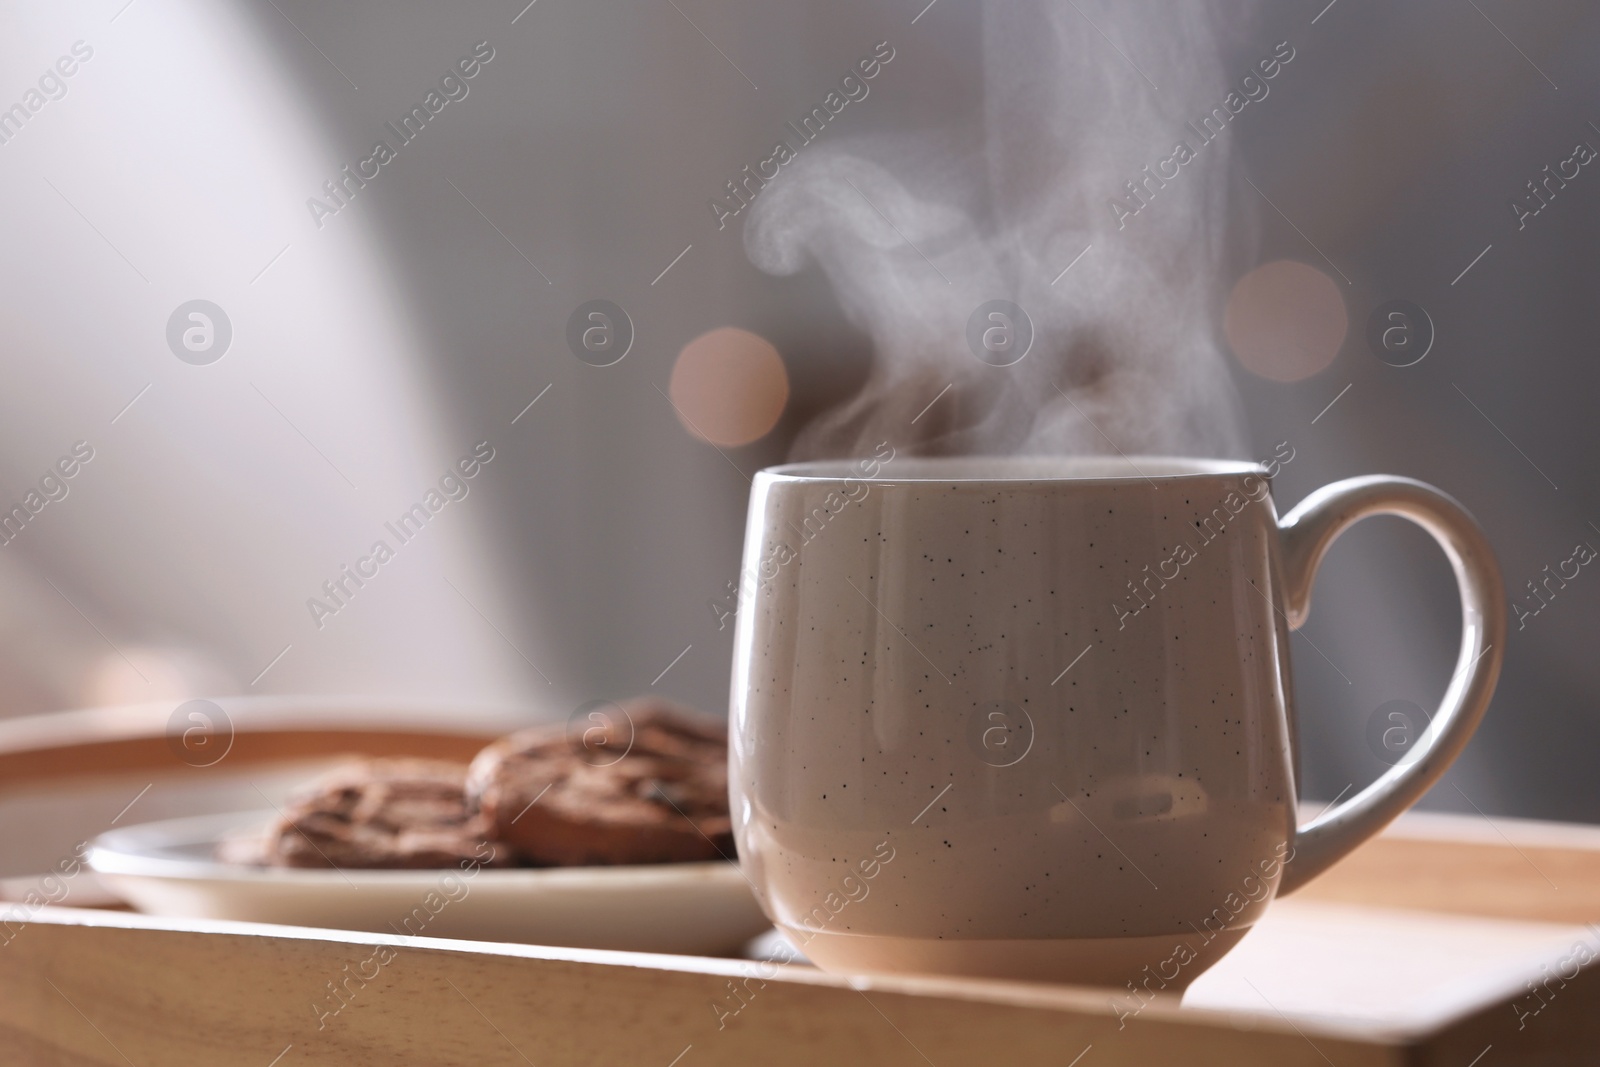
(1470, 865)
(100, 741)
(105, 988)
(1317, 982)
(99, 989)
(1421, 948)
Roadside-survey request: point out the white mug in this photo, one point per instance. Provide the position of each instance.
(1031, 717)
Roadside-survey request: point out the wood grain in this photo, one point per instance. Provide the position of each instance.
(49, 749)
(1468, 865)
(111, 990)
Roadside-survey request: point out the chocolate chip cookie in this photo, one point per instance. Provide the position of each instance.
(377, 813)
(646, 783)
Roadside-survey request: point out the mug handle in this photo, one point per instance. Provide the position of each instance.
(1307, 531)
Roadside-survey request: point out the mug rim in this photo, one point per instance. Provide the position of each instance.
(1048, 469)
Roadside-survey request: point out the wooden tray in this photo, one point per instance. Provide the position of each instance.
(1446, 941)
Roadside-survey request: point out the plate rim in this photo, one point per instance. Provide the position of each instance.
(109, 855)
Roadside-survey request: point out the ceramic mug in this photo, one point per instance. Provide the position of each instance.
(1031, 717)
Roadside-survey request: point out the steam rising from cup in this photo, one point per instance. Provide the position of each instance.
(916, 231)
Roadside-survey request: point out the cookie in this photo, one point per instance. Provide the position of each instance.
(647, 786)
(376, 813)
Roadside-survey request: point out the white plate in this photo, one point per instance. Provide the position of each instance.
(166, 868)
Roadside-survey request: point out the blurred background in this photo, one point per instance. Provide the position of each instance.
(257, 367)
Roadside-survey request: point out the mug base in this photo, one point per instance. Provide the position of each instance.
(1100, 961)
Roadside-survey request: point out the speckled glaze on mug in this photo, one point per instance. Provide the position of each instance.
(1031, 717)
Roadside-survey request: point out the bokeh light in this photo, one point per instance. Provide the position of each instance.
(1286, 321)
(729, 386)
